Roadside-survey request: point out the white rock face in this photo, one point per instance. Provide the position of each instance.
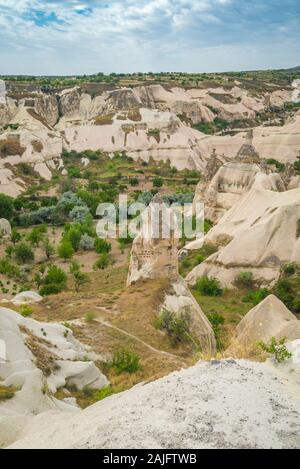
(231, 181)
(23, 338)
(26, 297)
(9, 184)
(200, 407)
(268, 319)
(260, 233)
(129, 117)
(296, 91)
(154, 251)
(280, 143)
(5, 228)
(154, 255)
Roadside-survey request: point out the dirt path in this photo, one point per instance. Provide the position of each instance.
(134, 337)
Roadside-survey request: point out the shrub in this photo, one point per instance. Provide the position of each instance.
(26, 311)
(54, 282)
(290, 269)
(283, 289)
(276, 348)
(102, 246)
(50, 289)
(79, 213)
(65, 250)
(279, 166)
(87, 243)
(9, 269)
(35, 236)
(297, 166)
(48, 248)
(154, 133)
(6, 393)
(89, 317)
(80, 278)
(23, 253)
(145, 198)
(199, 259)
(15, 236)
(134, 181)
(125, 361)
(6, 207)
(124, 241)
(217, 320)
(209, 286)
(68, 201)
(157, 182)
(256, 296)
(103, 262)
(177, 328)
(73, 235)
(244, 280)
(296, 305)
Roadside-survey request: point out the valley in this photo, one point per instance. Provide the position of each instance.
(111, 338)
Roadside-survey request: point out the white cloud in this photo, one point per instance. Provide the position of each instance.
(123, 35)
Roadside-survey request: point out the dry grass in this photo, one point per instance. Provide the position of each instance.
(134, 115)
(11, 147)
(45, 360)
(104, 120)
(37, 146)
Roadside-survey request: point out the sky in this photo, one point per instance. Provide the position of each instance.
(52, 37)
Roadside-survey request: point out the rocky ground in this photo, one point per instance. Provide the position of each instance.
(221, 404)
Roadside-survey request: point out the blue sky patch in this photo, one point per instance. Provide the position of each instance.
(42, 18)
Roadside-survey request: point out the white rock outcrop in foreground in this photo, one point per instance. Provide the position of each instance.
(39, 358)
(218, 404)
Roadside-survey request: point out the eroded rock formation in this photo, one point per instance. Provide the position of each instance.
(260, 233)
(268, 319)
(154, 255)
(37, 359)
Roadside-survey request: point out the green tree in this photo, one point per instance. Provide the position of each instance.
(15, 236)
(54, 281)
(65, 250)
(157, 182)
(35, 236)
(73, 235)
(209, 286)
(102, 246)
(23, 253)
(48, 248)
(6, 207)
(79, 277)
(102, 262)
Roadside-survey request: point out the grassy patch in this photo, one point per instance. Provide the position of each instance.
(195, 258)
(230, 306)
(6, 393)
